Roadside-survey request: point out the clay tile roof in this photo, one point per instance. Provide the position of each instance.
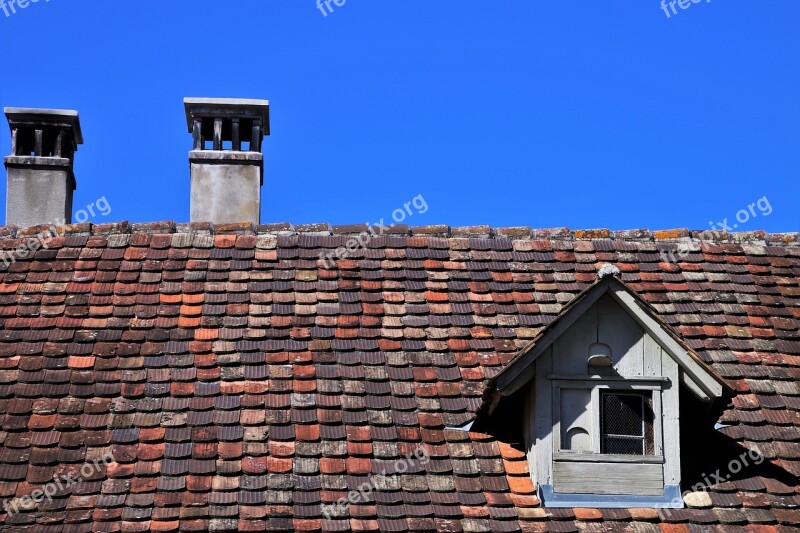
(241, 383)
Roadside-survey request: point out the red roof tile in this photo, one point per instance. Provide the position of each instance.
(239, 383)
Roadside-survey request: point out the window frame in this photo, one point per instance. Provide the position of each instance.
(607, 383)
(645, 438)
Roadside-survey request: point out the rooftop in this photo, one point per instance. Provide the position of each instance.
(240, 384)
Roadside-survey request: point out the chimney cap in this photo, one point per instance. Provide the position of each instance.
(31, 117)
(227, 107)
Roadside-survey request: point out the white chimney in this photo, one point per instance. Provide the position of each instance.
(40, 176)
(226, 164)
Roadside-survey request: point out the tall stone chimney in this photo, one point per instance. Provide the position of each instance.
(226, 164)
(40, 177)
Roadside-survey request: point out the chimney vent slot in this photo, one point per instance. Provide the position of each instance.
(43, 132)
(225, 134)
(41, 142)
(227, 125)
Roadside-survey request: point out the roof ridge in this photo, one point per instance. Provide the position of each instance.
(756, 237)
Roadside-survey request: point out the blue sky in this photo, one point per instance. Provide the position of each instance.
(583, 114)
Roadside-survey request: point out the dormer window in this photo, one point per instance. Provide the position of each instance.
(599, 388)
(622, 419)
(626, 423)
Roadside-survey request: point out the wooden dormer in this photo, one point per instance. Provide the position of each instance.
(599, 388)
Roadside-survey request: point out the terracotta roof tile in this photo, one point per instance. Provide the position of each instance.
(226, 370)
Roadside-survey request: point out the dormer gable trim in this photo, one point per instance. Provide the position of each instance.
(696, 376)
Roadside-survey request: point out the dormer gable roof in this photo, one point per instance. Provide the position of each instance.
(696, 375)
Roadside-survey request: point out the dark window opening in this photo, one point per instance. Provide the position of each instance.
(626, 423)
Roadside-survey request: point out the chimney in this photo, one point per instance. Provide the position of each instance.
(227, 168)
(40, 177)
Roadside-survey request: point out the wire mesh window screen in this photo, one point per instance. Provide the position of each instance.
(626, 424)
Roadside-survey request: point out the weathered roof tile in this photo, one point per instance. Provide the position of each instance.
(226, 368)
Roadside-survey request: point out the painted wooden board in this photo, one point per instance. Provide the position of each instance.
(575, 417)
(671, 422)
(608, 478)
(513, 377)
(618, 330)
(544, 418)
(530, 435)
(571, 350)
(522, 370)
(701, 376)
(652, 357)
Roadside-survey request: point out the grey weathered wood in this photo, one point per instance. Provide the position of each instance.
(658, 423)
(495, 401)
(518, 375)
(652, 357)
(671, 423)
(596, 420)
(529, 433)
(701, 376)
(573, 411)
(608, 478)
(646, 356)
(571, 350)
(605, 458)
(544, 419)
(521, 371)
(617, 329)
(639, 380)
(694, 387)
